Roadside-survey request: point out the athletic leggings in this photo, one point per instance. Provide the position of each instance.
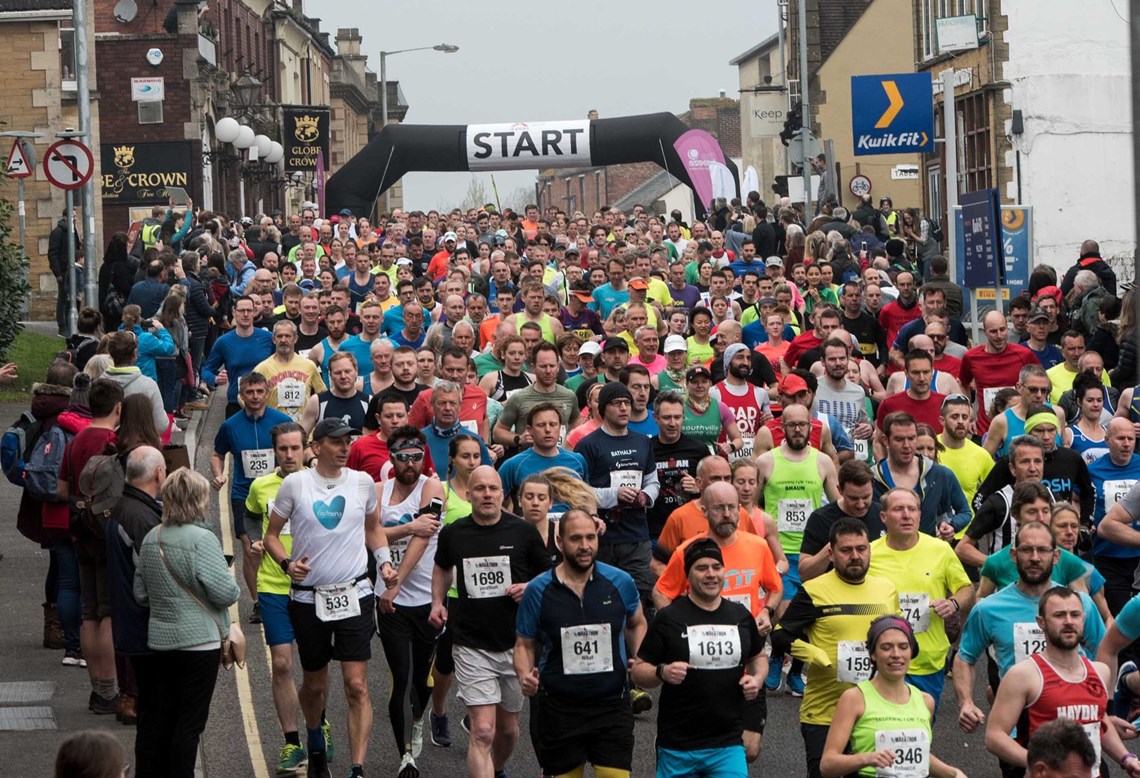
(409, 645)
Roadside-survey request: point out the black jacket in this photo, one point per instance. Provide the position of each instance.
(198, 308)
(136, 514)
(57, 248)
(1094, 263)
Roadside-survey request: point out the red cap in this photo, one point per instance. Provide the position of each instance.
(791, 385)
(1050, 291)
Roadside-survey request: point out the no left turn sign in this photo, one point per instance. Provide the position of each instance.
(68, 164)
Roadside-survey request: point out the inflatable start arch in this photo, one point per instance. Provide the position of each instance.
(693, 157)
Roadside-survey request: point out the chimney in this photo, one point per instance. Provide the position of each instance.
(348, 41)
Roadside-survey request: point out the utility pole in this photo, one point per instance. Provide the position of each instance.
(805, 103)
(781, 20)
(83, 98)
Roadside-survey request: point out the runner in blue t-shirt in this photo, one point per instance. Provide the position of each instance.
(238, 351)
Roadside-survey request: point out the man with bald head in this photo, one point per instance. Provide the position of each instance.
(947, 354)
(495, 555)
(754, 582)
(439, 335)
(1090, 259)
(993, 365)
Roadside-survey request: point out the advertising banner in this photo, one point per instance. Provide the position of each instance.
(138, 173)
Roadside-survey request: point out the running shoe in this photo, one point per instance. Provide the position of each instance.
(1124, 700)
(640, 700)
(318, 765)
(73, 659)
(796, 684)
(775, 676)
(440, 730)
(291, 759)
(408, 767)
(330, 750)
(255, 614)
(417, 739)
(101, 706)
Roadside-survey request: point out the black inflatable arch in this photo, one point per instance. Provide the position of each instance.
(403, 148)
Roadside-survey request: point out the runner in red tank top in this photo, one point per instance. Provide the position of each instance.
(1055, 683)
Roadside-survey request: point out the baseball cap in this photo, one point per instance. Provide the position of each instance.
(345, 212)
(675, 343)
(773, 262)
(613, 342)
(403, 261)
(792, 384)
(698, 371)
(638, 283)
(1038, 315)
(572, 249)
(767, 301)
(333, 428)
(591, 347)
(560, 245)
(1049, 291)
(583, 294)
(450, 236)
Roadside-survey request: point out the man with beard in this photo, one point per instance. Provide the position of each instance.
(862, 325)
(932, 586)
(944, 360)
(793, 478)
(586, 616)
(707, 652)
(342, 400)
(969, 461)
(1007, 623)
(496, 554)
(856, 501)
(404, 375)
(676, 457)
(826, 624)
(754, 582)
(840, 398)
(410, 507)
(1057, 683)
(749, 403)
(944, 506)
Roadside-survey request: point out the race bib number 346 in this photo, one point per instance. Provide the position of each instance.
(912, 752)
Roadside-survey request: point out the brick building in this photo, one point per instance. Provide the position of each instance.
(587, 189)
(38, 95)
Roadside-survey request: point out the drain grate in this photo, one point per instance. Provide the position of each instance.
(23, 692)
(26, 718)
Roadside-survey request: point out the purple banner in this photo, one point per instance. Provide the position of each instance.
(697, 150)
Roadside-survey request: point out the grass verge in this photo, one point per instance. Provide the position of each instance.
(34, 354)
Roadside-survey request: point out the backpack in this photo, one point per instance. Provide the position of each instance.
(936, 233)
(42, 468)
(17, 443)
(100, 486)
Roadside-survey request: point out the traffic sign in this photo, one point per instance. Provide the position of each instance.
(68, 164)
(19, 164)
(892, 114)
(796, 147)
(859, 185)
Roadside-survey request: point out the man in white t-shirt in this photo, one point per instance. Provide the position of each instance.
(334, 518)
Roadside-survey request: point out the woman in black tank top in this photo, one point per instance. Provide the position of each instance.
(511, 351)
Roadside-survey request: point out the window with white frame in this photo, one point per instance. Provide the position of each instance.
(67, 56)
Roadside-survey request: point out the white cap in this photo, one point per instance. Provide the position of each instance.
(590, 347)
(675, 343)
(403, 261)
(450, 236)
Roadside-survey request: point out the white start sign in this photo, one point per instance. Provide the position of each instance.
(523, 145)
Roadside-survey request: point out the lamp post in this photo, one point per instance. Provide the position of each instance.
(446, 48)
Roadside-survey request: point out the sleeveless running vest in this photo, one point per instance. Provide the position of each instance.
(791, 494)
(328, 528)
(544, 323)
(904, 728)
(746, 410)
(705, 427)
(1083, 702)
(1089, 449)
(353, 409)
(416, 588)
(1015, 427)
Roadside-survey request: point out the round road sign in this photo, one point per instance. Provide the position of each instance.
(859, 185)
(68, 164)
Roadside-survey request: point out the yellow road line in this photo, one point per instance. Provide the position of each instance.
(241, 677)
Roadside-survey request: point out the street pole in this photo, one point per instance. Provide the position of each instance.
(384, 106)
(950, 147)
(83, 98)
(20, 210)
(781, 7)
(72, 313)
(805, 112)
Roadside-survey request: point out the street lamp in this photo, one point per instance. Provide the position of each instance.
(446, 48)
(245, 90)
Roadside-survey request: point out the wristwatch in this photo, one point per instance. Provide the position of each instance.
(285, 565)
(661, 671)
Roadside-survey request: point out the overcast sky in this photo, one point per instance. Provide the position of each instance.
(523, 62)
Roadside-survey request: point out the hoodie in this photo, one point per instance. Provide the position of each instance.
(57, 515)
(134, 382)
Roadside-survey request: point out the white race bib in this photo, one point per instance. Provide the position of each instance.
(630, 478)
(714, 646)
(745, 451)
(854, 662)
(336, 602)
(915, 607)
(988, 396)
(290, 393)
(1114, 491)
(587, 649)
(1028, 639)
(912, 753)
(1092, 729)
(398, 548)
(740, 599)
(793, 514)
(470, 426)
(562, 436)
(256, 462)
(487, 576)
(862, 449)
(304, 353)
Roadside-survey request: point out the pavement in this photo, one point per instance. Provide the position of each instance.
(242, 735)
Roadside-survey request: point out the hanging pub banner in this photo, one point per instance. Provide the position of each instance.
(306, 134)
(139, 173)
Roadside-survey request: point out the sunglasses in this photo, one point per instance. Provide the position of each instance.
(404, 457)
(955, 398)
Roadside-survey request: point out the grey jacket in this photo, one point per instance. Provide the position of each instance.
(177, 621)
(134, 382)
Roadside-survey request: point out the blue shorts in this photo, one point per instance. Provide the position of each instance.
(275, 618)
(726, 762)
(791, 579)
(931, 684)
